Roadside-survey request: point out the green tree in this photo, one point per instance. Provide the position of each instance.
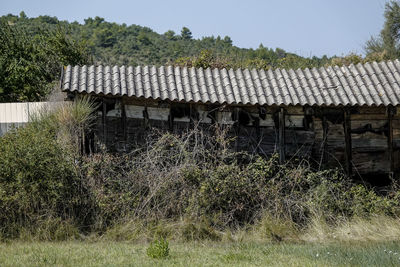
(29, 65)
(186, 34)
(388, 41)
(111, 43)
(144, 39)
(170, 35)
(105, 37)
(22, 15)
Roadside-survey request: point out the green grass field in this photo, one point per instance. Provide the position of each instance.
(201, 254)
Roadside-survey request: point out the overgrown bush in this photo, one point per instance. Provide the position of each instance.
(36, 178)
(188, 186)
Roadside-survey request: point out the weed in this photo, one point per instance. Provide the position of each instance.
(158, 249)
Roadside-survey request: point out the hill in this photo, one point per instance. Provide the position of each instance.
(112, 43)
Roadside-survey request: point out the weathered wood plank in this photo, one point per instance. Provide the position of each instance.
(296, 121)
(134, 111)
(371, 162)
(367, 116)
(374, 123)
(159, 114)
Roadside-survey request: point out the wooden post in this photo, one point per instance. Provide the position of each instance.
(146, 118)
(170, 120)
(258, 134)
(123, 121)
(390, 113)
(104, 121)
(348, 145)
(237, 128)
(325, 128)
(192, 117)
(281, 135)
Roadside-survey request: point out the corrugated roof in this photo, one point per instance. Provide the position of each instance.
(362, 84)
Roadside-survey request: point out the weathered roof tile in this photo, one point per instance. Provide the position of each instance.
(361, 84)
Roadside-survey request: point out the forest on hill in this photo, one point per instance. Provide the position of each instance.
(32, 50)
(121, 44)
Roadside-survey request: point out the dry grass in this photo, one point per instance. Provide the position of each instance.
(376, 228)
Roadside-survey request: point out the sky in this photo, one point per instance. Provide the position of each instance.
(305, 27)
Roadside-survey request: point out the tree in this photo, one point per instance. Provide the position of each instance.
(29, 65)
(22, 15)
(186, 34)
(170, 35)
(144, 39)
(388, 41)
(111, 43)
(105, 37)
(228, 40)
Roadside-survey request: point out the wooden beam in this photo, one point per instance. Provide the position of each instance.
(281, 135)
(390, 114)
(348, 145)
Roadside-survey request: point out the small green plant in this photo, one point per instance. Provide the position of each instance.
(158, 249)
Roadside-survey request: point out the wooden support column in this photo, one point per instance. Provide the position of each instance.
(348, 145)
(325, 129)
(192, 117)
(236, 125)
(170, 120)
(123, 121)
(146, 118)
(104, 119)
(258, 134)
(390, 113)
(281, 135)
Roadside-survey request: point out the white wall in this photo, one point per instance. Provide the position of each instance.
(17, 114)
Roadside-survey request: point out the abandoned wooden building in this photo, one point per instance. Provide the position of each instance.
(337, 116)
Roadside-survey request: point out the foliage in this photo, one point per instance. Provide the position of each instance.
(186, 34)
(29, 64)
(36, 178)
(112, 43)
(39, 182)
(193, 177)
(158, 249)
(387, 44)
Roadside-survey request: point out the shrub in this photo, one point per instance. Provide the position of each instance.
(36, 178)
(190, 186)
(158, 249)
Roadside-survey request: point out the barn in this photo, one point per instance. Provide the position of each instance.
(336, 116)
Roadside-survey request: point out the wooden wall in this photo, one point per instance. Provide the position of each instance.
(362, 140)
